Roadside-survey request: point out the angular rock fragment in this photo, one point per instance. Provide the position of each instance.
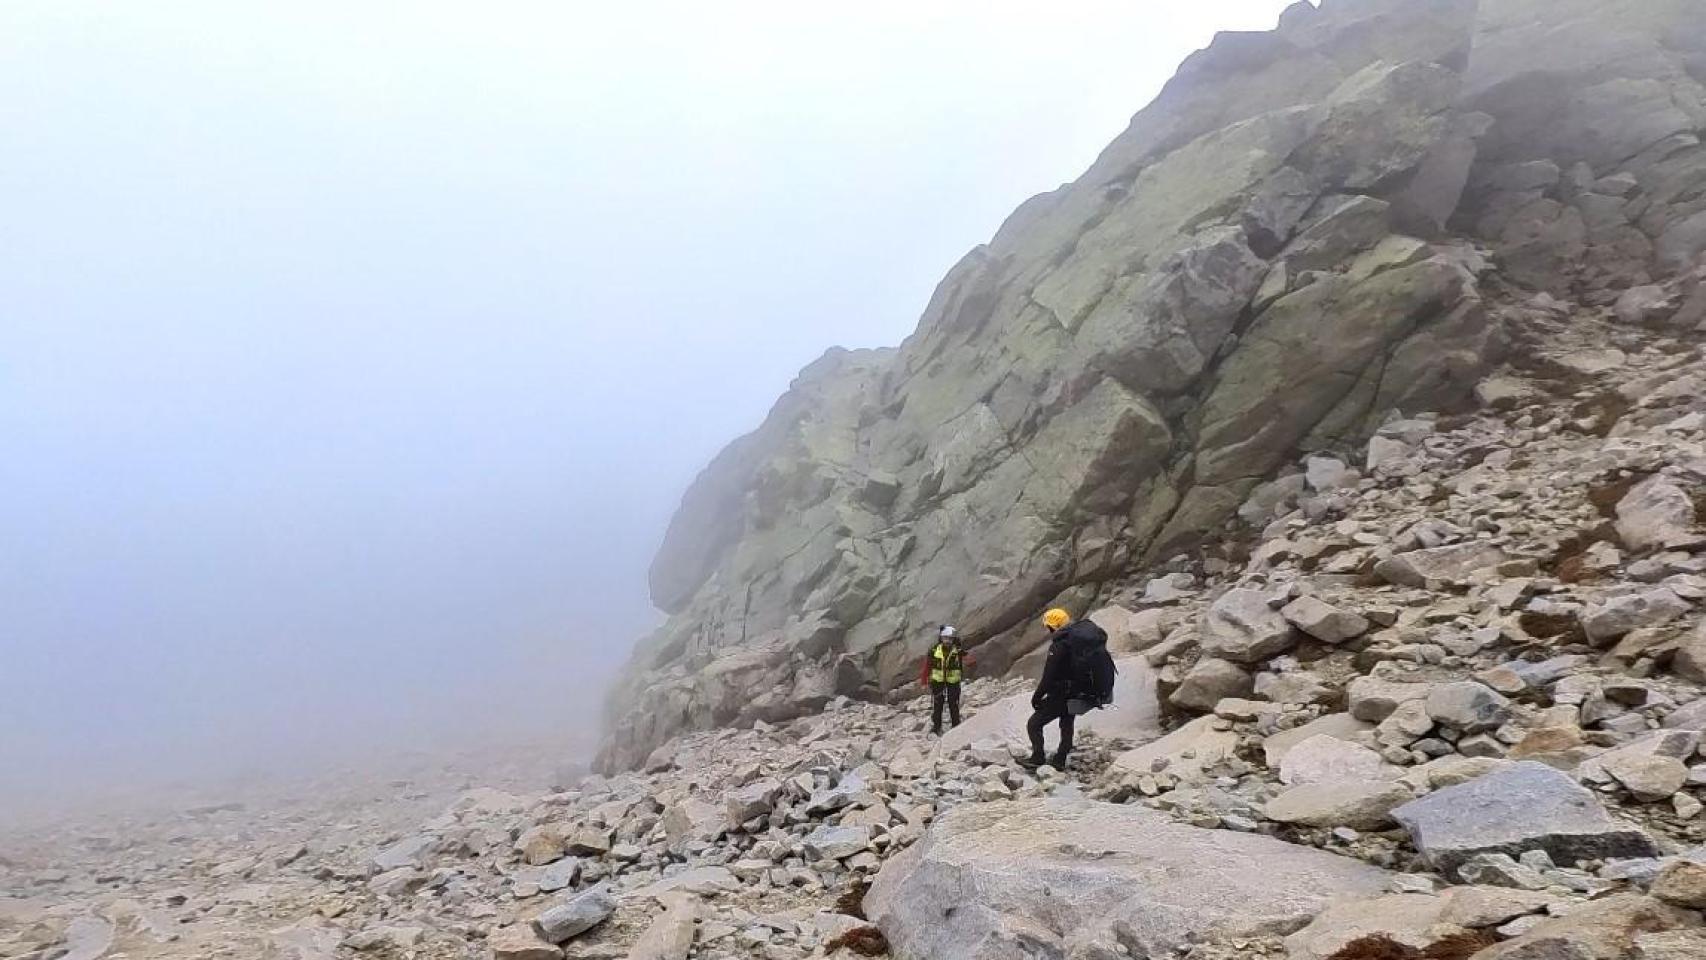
(575, 915)
(408, 852)
(1360, 805)
(1601, 929)
(1682, 884)
(1523, 807)
(1243, 627)
(1454, 563)
(1617, 616)
(694, 819)
(1323, 621)
(1467, 706)
(1209, 682)
(752, 800)
(540, 845)
(837, 843)
(1656, 514)
(1408, 919)
(670, 937)
(1647, 778)
(1328, 760)
(521, 943)
(1372, 700)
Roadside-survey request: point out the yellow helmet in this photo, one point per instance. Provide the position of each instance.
(1056, 618)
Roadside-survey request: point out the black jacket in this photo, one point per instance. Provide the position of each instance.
(1056, 683)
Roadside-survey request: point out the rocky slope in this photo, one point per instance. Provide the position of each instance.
(1444, 701)
(1307, 230)
(1359, 391)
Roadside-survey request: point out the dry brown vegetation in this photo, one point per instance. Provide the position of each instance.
(861, 941)
(1458, 946)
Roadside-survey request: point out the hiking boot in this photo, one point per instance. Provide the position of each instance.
(1059, 762)
(1032, 763)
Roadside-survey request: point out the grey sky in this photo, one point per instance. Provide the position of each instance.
(353, 355)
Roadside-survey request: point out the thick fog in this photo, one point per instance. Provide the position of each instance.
(353, 356)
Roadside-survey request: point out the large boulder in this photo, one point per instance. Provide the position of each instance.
(1410, 919)
(1690, 662)
(1135, 714)
(1358, 804)
(754, 799)
(1522, 807)
(1244, 627)
(837, 843)
(407, 852)
(575, 915)
(1656, 513)
(693, 820)
(670, 937)
(1448, 564)
(1373, 699)
(1186, 752)
(1604, 929)
(1467, 706)
(1057, 877)
(1338, 726)
(1614, 617)
(1682, 883)
(1323, 621)
(1209, 682)
(521, 942)
(1326, 759)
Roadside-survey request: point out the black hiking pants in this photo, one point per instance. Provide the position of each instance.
(1046, 713)
(940, 693)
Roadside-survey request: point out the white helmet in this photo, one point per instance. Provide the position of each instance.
(948, 631)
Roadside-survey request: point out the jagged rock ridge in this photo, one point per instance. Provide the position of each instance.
(1309, 228)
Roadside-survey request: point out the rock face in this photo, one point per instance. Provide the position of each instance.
(1062, 877)
(1267, 261)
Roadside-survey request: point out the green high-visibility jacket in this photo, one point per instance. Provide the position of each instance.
(947, 664)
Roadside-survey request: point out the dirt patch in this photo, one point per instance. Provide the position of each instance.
(1458, 946)
(1545, 626)
(1376, 947)
(852, 900)
(1574, 569)
(1569, 563)
(860, 941)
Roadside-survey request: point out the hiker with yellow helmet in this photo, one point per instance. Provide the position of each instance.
(1049, 702)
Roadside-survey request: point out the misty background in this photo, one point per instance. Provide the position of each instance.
(353, 356)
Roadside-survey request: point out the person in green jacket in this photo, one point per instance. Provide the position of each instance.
(944, 669)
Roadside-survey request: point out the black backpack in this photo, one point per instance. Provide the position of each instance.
(1091, 679)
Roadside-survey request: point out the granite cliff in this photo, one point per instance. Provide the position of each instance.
(1308, 230)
